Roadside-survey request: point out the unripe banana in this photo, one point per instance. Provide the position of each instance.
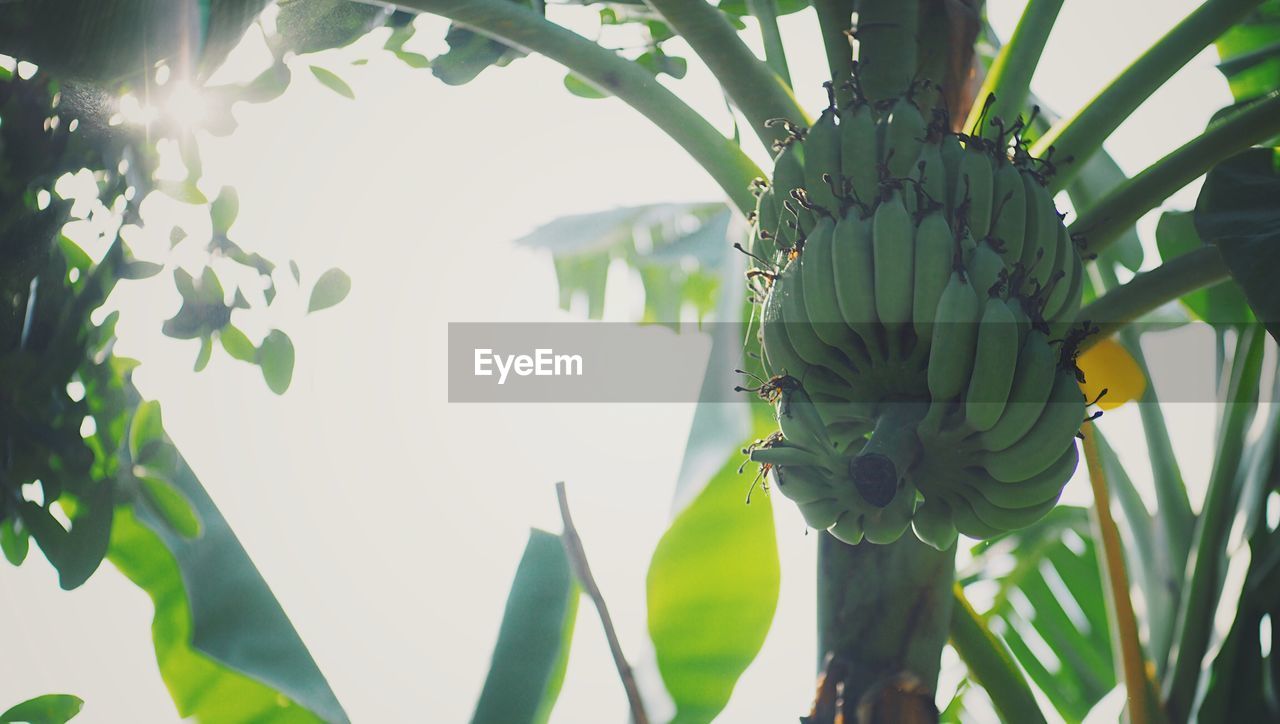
(975, 187)
(822, 514)
(788, 175)
(951, 152)
(820, 295)
(806, 343)
(786, 454)
(852, 258)
(1010, 223)
(1065, 259)
(933, 524)
(904, 136)
(799, 421)
(822, 157)
(954, 338)
(931, 174)
(764, 231)
(879, 469)
(1045, 441)
(887, 525)
(848, 528)
(984, 266)
(1032, 382)
(993, 366)
(1002, 518)
(934, 257)
(858, 158)
(893, 263)
(802, 484)
(1034, 491)
(1040, 248)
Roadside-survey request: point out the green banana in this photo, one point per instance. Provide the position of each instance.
(952, 152)
(848, 528)
(1039, 251)
(802, 484)
(1065, 258)
(764, 231)
(788, 175)
(993, 366)
(933, 525)
(975, 186)
(892, 260)
(822, 514)
(804, 340)
(799, 421)
(931, 175)
(984, 265)
(852, 259)
(934, 257)
(1043, 443)
(1031, 492)
(904, 135)
(820, 295)
(1003, 518)
(1032, 381)
(1010, 212)
(954, 338)
(858, 157)
(822, 157)
(887, 525)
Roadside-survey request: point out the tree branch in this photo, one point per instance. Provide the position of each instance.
(1082, 134)
(757, 91)
(1112, 215)
(578, 561)
(519, 26)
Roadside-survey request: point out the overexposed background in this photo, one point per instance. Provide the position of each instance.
(389, 522)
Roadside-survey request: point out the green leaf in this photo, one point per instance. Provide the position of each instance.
(145, 428)
(293, 269)
(226, 650)
(580, 87)
(1219, 304)
(138, 269)
(308, 26)
(184, 191)
(470, 52)
(14, 542)
(532, 651)
(330, 80)
(237, 344)
(711, 591)
(332, 287)
(170, 505)
(275, 357)
(1237, 210)
(223, 211)
(205, 353)
(47, 709)
(1099, 175)
(176, 235)
(1250, 53)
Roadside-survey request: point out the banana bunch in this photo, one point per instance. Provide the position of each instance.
(918, 292)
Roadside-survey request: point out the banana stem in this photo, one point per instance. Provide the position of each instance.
(1115, 213)
(835, 19)
(991, 664)
(519, 26)
(1111, 558)
(766, 13)
(1082, 134)
(887, 41)
(1148, 290)
(883, 613)
(891, 450)
(1009, 78)
(756, 90)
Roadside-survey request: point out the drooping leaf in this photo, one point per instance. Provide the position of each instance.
(1237, 210)
(330, 80)
(1250, 53)
(226, 650)
(711, 591)
(14, 542)
(275, 357)
(470, 52)
(330, 289)
(47, 709)
(1219, 304)
(170, 505)
(205, 353)
(532, 652)
(308, 26)
(223, 211)
(237, 344)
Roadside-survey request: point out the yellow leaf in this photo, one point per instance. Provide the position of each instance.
(1108, 365)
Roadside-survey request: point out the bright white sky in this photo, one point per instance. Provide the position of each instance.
(389, 522)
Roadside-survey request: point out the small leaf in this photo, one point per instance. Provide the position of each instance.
(293, 269)
(223, 211)
(15, 543)
(176, 235)
(331, 81)
(138, 269)
(332, 287)
(413, 60)
(47, 709)
(1220, 304)
(146, 427)
(275, 357)
(171, 505)
(532, 651)
(578, 86)
(237, 344)
(206, 352)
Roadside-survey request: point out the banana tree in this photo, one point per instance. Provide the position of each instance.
(926, 330)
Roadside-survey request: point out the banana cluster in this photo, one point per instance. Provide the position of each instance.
(918, 292)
